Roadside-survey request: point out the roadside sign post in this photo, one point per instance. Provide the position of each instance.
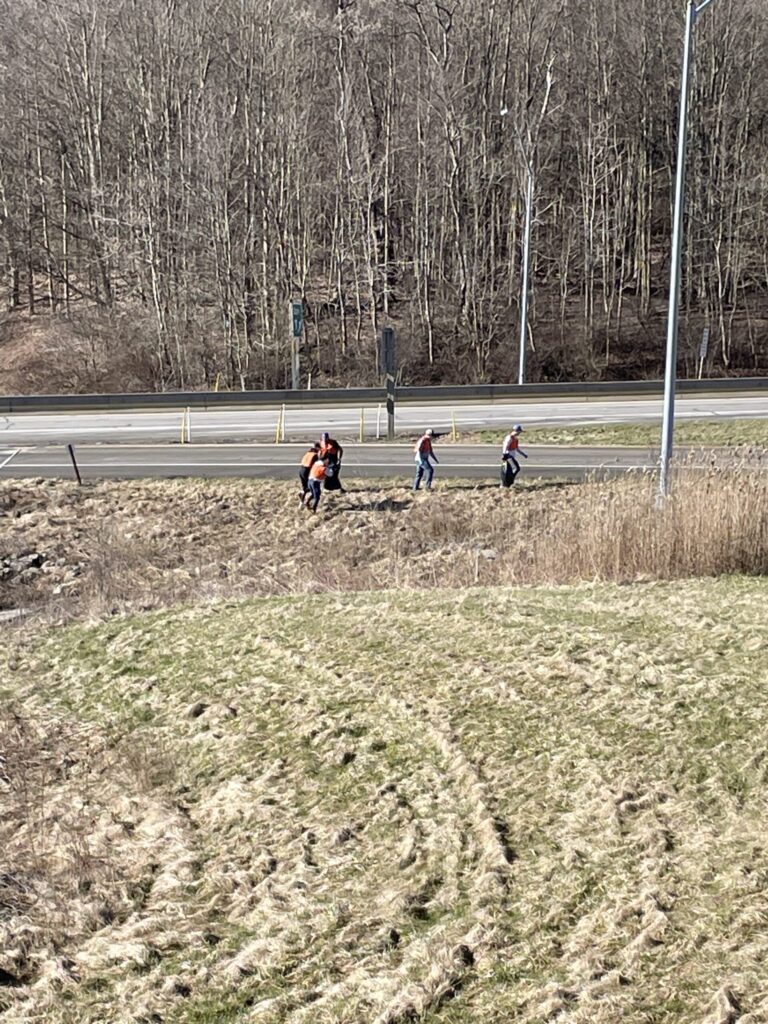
(387, 365)
(297, 325)
(71, 450)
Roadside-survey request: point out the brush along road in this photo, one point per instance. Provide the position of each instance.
(279, 462)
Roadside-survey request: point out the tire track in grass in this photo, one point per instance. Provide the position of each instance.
(592, 977)
(604, 952)
(330, 716)
(453, 959)
(467, 893)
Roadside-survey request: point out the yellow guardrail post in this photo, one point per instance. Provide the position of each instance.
(282, 424)
(454, 431)
(183, 426)
(362, 425)
(277, 428)
(218, 381)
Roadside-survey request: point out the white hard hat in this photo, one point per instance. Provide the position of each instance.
(428, 431)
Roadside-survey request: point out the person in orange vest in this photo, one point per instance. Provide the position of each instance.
(317, 474)
(510, 449)
(422, 453)
(308, 459)
(332, 452)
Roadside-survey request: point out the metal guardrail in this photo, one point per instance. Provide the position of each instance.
(178, 400)
(370, 396)
(586, 390)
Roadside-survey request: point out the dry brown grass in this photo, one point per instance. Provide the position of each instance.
(714, 523)
(69, 864)
(459, 807)
(465, 807)
(123, 546)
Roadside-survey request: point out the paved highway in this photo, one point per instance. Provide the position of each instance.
(281, 461)
(24, 429)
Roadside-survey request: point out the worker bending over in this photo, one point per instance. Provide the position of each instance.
(308, 459)
(317, 474)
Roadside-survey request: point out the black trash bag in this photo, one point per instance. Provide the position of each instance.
(332, 482)
(507, 473)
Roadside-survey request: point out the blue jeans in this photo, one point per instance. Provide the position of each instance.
(314, 494)
(423, 466)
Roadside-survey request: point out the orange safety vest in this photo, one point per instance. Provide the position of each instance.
(318, 471)
(309, 458)
(423, 446)
(511, 443)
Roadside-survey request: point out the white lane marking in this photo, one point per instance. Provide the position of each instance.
(58, 431)
(9, 454)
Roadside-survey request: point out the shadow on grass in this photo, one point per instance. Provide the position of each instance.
(533, 486)
(393, 496)
(373, 505)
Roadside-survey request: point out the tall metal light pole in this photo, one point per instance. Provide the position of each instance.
(529, 156)
(526, 270)
(528, 161)
(670, 372)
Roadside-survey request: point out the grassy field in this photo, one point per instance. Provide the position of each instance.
(459, 807)
(687, 432)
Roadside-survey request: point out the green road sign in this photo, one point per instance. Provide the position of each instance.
(297, 317)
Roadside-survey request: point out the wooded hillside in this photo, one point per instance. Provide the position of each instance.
(172, 173)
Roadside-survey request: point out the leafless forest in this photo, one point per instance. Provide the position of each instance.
(173, 172)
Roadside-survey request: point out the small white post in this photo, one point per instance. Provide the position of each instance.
(378, 422)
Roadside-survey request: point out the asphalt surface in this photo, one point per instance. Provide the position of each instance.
(27, 429)
(280, 462)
